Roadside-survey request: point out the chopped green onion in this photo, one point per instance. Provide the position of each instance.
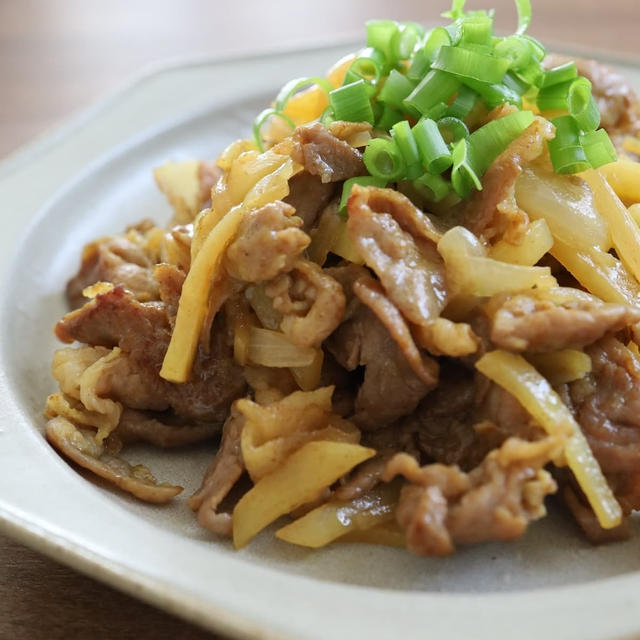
(404, 40)
(434, 151)
(260, 120)
(516, 49)
(396, 88)
(515, 84)
(436, 86)
(493, 138)
(384, 160)
(559, 75)
(327, 117)
(476, 30)
(370, 65)
(494, 95)
(570, 159)
(582, 106)
(295, 85)
(351, 103)
(365, 181)
(464, 176)
(402, 136)
(437, 111)
(598, 148)
(567, 154)
(470, 64)
(463, 103)
(554, 97)
(532, 74)
(436, 38)
(524, 15)
(538, 48)
(420, 65)
(456, 11)
(387, 117)
(452, 129)
(380, 34)
(432, 187)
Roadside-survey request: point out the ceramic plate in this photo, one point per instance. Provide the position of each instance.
(93, 177)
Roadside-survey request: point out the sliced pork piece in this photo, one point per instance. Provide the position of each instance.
(324, 155)
(170, 280)
(142, 332)
(390, 388)
(393, 244)
(493, 212)
(607, 406)
(80, 447)
(162, 430)
(311, 302)
(308, 195)
(117, 260)
(443, 507)
(269, 241)
(371, 294)
(458, 422)
(222, 474)
(532, 322)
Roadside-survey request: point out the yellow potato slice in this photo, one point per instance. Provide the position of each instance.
(306, 473)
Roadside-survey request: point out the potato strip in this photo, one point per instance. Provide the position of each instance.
(624, 231)
(536, 241)
(624, 178)
(562, 366)
(513, 373)
(599, 272)
(334, 519)
(470, 272)
(306, 473)
(205, 270)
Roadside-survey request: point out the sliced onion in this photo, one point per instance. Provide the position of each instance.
(273, 349)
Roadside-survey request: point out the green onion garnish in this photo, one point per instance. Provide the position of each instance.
(567, 154)
(370, 65)
(582, 106)
(434, 151)
(452, 129)
(401, 134)
(435, 81)
(351, 102)
(466, 63)
(516, 49)
(432, 187)
(436, 38)
(384, 160)
(524, 15)
(260, 120)
(463, 103)
(598, 148)
(396, 88)
(464, 175)
(559, 75)
(295, 85)
(387, 118)
(494, 137)
(476, 30)
(436, 86)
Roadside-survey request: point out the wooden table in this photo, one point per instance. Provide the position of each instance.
(58, 56)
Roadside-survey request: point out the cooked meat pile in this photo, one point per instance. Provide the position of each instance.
(398, 332)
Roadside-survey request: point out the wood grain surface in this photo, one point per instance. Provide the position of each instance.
(58, 56)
